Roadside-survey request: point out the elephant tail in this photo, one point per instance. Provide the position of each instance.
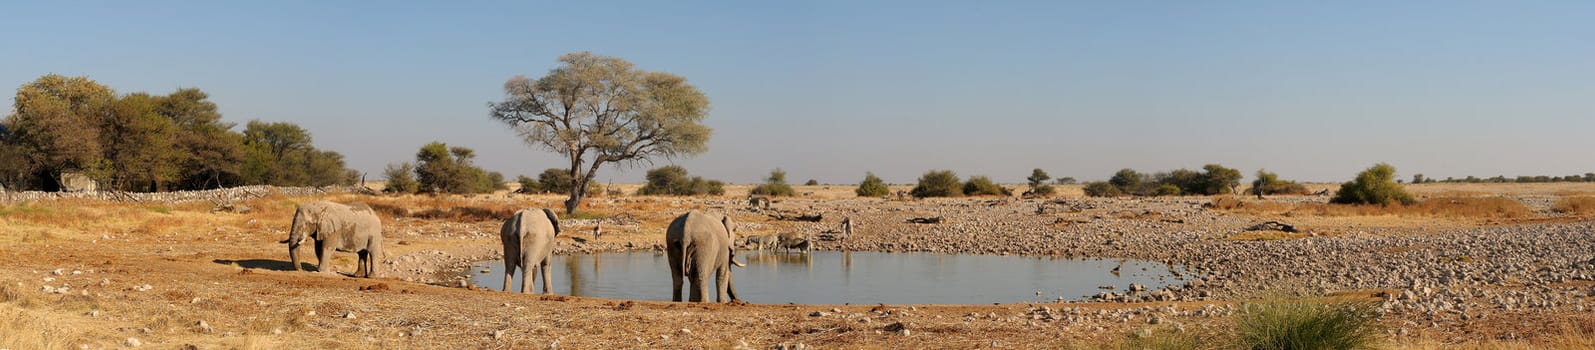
(686, 256)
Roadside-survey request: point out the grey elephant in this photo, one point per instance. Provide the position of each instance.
(698, 244)
(337, 227)
(528, 238)
(761, 242)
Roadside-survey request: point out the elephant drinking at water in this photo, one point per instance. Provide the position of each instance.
(337, 227)
(697, 245)
(529, 244)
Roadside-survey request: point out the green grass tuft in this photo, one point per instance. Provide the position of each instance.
(1298, 324)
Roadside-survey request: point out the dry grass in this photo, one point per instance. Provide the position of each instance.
(29, 329)
(1574, 335)
(1444, 207)
(1578, 205)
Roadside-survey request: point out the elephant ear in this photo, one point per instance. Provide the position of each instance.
(553, 219)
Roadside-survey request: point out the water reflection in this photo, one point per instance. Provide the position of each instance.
(854, 277)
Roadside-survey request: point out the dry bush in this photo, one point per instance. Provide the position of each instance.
(1580, 205)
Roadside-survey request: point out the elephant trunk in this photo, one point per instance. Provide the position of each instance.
(296, 236)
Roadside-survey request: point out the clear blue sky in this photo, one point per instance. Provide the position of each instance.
(1313, 90)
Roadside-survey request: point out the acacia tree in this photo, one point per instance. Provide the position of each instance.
(596, 109)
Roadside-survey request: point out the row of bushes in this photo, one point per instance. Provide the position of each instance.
(144, 142)
(673, 180)
(449, 170)
(1214, 179)
(1587, 177)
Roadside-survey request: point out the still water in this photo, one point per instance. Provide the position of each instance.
(850, 277)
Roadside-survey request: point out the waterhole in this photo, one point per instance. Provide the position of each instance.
(851, 277)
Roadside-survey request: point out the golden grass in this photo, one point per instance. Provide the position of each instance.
(29, 329)
(1579, 205)
(1573, 335)
(1444, 207)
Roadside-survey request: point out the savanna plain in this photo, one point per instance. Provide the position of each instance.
(1471, 266)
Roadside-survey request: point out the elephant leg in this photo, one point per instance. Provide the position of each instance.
(702, 267)
(320, 256)
(674, 256)
(324, 256)
(698, 284)
(509, 273)
(293, 256)
(529, 272)
(373, 254)
(675, 291)
(722, 282)
(361, 257)
(546, 283)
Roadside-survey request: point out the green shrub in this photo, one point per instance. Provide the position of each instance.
(775, 185)
(443, 169)
(1065, 180)
(673, 180)
(811, 182)
(938, 183)
(529, 185)
(872, 186)
(555, 180)
(497, 179)
(707, 187)
(1127, 181)
(1043, 190)
(401, 178)
(665, 180)
(982, 186)
(1102, 189)
(1269, 184)
(1296, 324)
(1038, 183)
(1166, 190)
(1373, 186)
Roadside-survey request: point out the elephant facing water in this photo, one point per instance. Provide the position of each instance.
(337, 227)
(529, 243)
(697, 245)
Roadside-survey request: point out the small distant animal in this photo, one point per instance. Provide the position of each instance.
(759, 202)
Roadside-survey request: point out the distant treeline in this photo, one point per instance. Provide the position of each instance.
(1587, 177)
(150, 143)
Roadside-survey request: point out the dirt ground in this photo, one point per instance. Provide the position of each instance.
(93, 274)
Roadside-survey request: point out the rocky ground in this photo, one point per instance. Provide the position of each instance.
(104, 274)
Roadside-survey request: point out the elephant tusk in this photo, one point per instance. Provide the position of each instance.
(737, 263)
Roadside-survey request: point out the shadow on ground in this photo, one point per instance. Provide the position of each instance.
(267, 264)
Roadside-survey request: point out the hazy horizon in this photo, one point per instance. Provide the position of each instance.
(829, 90)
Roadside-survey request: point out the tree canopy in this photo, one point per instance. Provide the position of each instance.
(148, 142)
(596, 109)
